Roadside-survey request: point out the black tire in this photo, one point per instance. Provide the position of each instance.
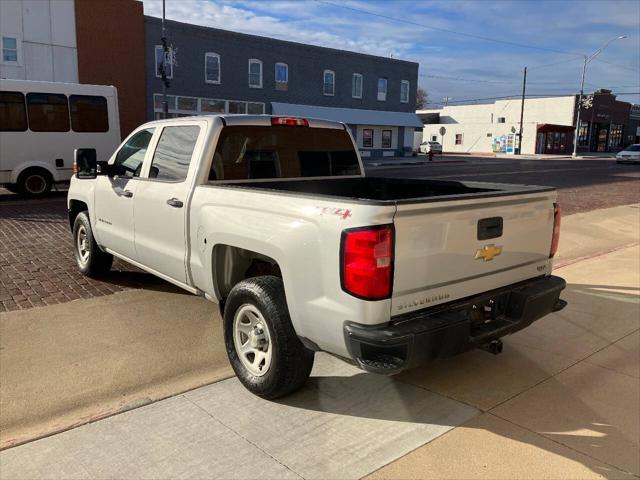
(291, 361)
(96, 262)
(34, 182)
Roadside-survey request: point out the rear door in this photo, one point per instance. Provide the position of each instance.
(451, 250)
(161, 201)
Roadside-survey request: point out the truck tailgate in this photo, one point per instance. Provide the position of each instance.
(453, 249)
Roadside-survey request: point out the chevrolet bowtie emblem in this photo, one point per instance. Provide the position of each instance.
(488, 252)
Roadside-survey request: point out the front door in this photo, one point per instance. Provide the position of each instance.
(161, 203)
(114, 196)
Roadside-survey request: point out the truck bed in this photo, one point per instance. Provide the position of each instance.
(380, 190)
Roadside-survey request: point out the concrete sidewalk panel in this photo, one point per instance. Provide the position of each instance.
(588, 408)
(343, 424)
(484, 380)
(170, 439)
(68, 364)
(488, 447)
(622, 357)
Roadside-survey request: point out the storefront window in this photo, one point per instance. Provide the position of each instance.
(615, 136)
(583, 134)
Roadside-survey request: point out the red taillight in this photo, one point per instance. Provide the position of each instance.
(290, 121)
(555, 239)
(367, 262)
(75, 167)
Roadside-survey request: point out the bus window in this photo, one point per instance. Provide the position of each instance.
(13, 114)
(48, 112)
(88, 113)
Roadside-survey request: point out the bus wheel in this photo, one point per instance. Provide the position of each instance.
(34, 182)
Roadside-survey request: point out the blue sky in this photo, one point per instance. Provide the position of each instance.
(458, 65)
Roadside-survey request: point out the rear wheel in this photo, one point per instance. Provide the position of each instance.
(263, 348)
(34, 182)
(90, 259)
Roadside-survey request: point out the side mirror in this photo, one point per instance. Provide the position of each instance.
(85, 164)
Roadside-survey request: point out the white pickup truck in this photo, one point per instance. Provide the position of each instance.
(274, 219)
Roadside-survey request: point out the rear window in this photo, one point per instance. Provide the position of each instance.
(89, 113)
(257, 152)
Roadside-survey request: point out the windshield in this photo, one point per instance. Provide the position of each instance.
(249, 152)
(632, 148)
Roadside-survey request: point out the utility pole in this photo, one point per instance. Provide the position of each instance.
(524, 88)
(163, 67)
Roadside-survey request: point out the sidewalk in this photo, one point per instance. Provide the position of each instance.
(561, 401)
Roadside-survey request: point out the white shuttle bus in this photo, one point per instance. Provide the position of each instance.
(41, 123)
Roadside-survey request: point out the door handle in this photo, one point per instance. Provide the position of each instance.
(174, 202)
(127, 193)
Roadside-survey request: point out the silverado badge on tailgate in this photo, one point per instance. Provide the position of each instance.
(488, 252)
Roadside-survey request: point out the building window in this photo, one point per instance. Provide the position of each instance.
(404, 91)
(237, 107)
(160, 62)
(382, 89)
(188, 106)
(13, 113)
(367, 138)
(212, 68)
(10, 49)
(434, 138)
(501, 120)
(329, 82)
(458, 139)
(282, 76)
(254, 108)
(255, 73)
(583, 134)
(48, 112)
(615, 137)
(356, 85)
(386, 138)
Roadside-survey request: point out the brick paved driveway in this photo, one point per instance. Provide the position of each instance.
(37, 266)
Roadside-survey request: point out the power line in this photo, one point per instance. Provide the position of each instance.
(616, 65)
(476, 80)
(429, 27)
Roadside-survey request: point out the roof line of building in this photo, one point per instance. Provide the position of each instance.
(185, 25)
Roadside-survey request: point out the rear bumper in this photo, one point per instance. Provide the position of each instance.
(445, 330)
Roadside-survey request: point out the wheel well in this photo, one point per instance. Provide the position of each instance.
(75, 207)
(232, 265)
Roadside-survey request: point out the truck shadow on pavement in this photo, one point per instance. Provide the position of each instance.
(568, 385)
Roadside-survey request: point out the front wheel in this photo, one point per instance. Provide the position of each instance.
(263, 348)
(90, 259)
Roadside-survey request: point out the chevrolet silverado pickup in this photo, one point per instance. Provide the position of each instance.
(273, 219)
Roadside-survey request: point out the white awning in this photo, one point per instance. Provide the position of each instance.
(352, 116)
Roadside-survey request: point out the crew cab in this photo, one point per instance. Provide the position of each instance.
(274, 219)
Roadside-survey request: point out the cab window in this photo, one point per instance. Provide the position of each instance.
(130, 157)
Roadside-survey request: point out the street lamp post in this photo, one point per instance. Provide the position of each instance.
(587, 59)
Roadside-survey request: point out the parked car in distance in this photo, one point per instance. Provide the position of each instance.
(631, 154)
(273, 219)
(42, 123)
(430, 146)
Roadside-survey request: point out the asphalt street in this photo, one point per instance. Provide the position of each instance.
(583, 185)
